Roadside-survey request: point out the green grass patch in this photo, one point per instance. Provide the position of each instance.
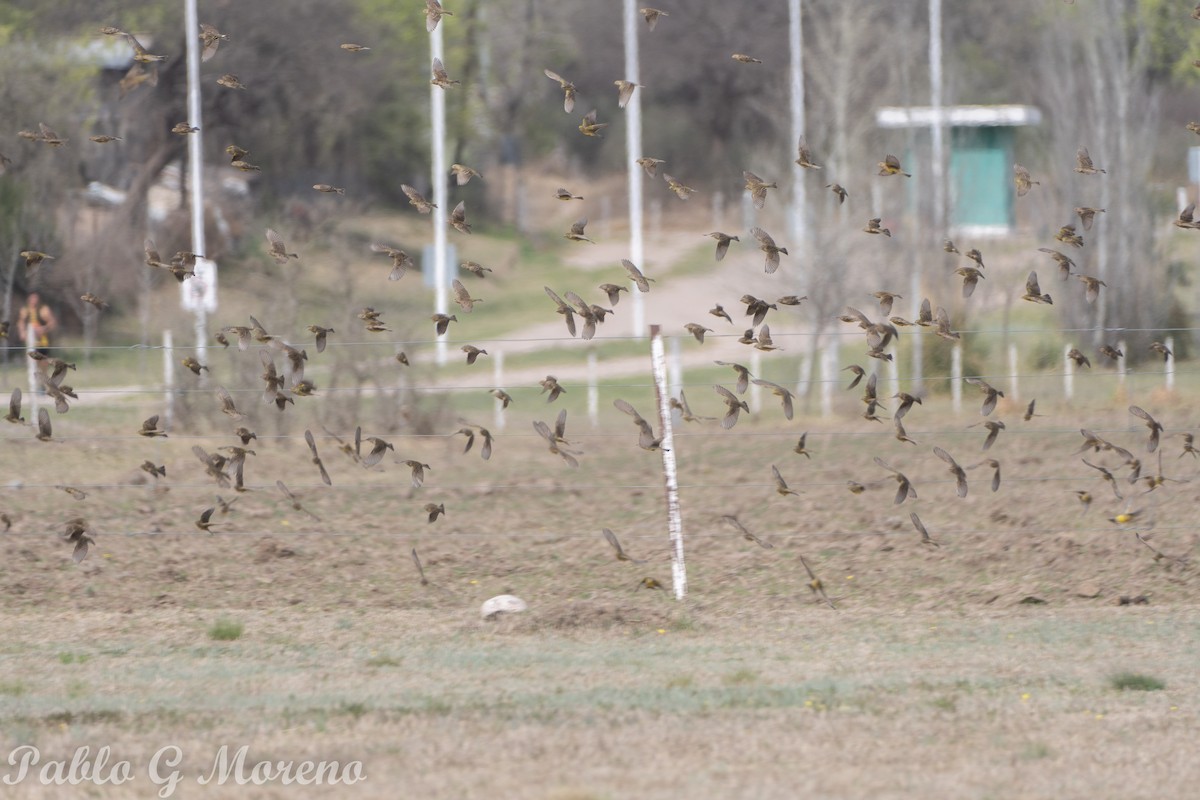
(226, 630)
(1136, 682)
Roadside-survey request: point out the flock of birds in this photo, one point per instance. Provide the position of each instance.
(283, 364)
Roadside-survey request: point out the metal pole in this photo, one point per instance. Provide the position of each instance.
(498, 380)
(168, 379)
(956, 378)
(437, 103)
(798, 220)
(667, 448)
(196, 167)
(1014, 393)
(938, 130)
(1068, 373)
(593, 390)
(633, 151)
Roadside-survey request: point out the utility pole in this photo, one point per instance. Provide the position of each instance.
(437, 102)
(198, 294)
(798, 227)
(633, 151)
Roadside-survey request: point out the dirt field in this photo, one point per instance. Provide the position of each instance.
(981, 667)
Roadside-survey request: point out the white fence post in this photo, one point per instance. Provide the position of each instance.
(1068, 373)
(675, 367)
(956, 378)
(1014, 393)
(31, 371)
(667, 449)
(893, 378)
(828, 375)
(498, 382)
(1121, 362)
(168, 379)
(593, 391)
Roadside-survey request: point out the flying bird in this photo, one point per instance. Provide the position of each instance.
(891, 166)
(567, 87)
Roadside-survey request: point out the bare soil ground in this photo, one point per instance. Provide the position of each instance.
(981, 667)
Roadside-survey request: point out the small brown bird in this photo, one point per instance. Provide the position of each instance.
(442, 322)
(723, 240)
(94, 300)
(211, 39)
(576, 232)
(886, 299)
(943, 326)
(321, 335)
(681, 191)
(743, 375)
(960, 476)
(1186, 219)
(565, 195)
(1107, 476)
(990, 393)
(551, 385)
(649, 583)
(433, 15)
(155, 471)
(718, 311)
(588, 126)
(1087, 215)
(1066, 234)
(504, 397)
(418, 471)
(837, 189)
(1110, 352)
(905, 488)
(1083, 163)
(804, 158)
(227, 405)
(784, 395)
(780, 484)
(1023, 180)
(764, 341)
(757, 188)
(971, 277)
(278, 249)
(636, 276)
(401, 261)
(195, 366)
(757, 309)
(995, 465)
(697, 330)
(294, 500)
(475, 268)
(205, 522)
(891, 166)
(150, 428)
(792, 300)
(1092, 290)
(1155, 427)
(920, 526)
(14, 407)
(652, 15)
(994, 427)
(458, 218)
(76, 532)
(873, 226)
(768, 246)
(34, 259)
(417, 200)
(567, 87)
(906, 403)
(733, 406)
(625, 91)
(685, 411)
(901, 434)
(440, 76)
(745, 59)
(1033, 291)
(472, 352)
(463, 174)
(650, 165)
(100, 139)
(463, 298)
(378, 448)
(737, 525)
(858, 371)
(814, 583)
(230, 81)
(1162, 350)
(329, 189)
(245, 435)
(619, 551)
(1076, 355)
(646, 438)
(801, 447)
(316, 458)
(183, 129)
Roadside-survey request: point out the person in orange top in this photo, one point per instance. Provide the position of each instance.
(43, 319)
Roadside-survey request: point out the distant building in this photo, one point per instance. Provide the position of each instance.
(979, 181)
